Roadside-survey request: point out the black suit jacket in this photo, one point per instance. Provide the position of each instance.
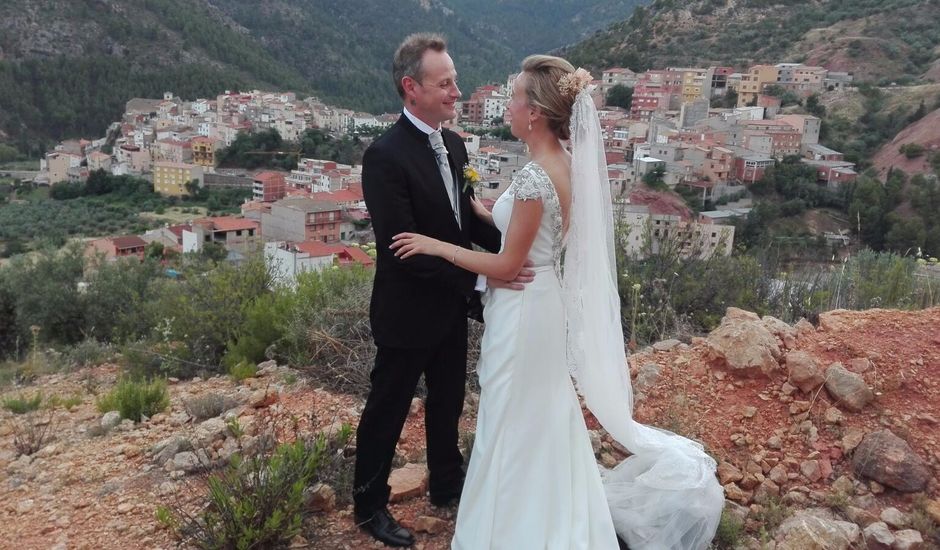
(416, 301)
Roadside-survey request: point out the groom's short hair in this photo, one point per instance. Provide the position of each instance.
(407, 61)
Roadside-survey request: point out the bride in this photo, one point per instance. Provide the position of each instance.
(533, 482)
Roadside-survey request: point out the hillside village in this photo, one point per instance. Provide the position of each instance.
(675, 132)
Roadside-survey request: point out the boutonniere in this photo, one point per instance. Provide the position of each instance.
(470, 177)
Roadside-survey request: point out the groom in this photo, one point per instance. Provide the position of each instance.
(412, 179)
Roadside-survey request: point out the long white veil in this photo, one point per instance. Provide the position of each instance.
(665, 495)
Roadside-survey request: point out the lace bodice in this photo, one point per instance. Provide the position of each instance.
(532, 183)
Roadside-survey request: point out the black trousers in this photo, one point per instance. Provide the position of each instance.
(394, 379)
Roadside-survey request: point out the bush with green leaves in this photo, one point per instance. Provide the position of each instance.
(256, 502)
(88, 353)
(243, 370)
(206, 310)
(683, 296)
(729, 533)
(264, 326)
(22, 404)
(135, 399)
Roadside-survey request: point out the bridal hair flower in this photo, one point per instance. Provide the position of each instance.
(470, 177)
(572, 83)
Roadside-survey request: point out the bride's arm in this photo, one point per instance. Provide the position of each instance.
(523, 226)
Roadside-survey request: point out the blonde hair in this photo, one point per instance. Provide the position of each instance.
(407, 60)
(543, 73)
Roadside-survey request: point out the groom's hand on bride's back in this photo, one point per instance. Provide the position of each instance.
(524, 277)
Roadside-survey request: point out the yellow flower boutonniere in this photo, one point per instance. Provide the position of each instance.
(470, 177)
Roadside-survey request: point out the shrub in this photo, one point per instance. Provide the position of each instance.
(730, 529)
(256, 502)
(22, 404)
(912, 150)
(65, 402)
(328, 336)
(207, 406)
(243, 371)
(264, 326)
(135, 399)
(88, 353)
(205, 311)
(32, 432)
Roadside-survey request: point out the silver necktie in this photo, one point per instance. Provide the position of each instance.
(440, 152)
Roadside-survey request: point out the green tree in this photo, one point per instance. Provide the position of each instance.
(620, 96)
(906, 234)
(8, 153)
(213, 252)
(867, 211)
(814, 107)
(655, 178)
(154, 250)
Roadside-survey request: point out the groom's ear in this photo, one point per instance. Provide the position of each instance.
(408, 85)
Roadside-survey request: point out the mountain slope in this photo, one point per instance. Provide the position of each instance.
(66, 68)
(876, 40)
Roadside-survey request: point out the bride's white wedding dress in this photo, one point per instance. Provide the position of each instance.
(533, 481)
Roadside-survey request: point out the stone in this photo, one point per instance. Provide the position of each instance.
(836, 320)
(858, 365)
(186, 461)
(666, 345)
(795, 498)
(781, 330)
(430, 525)
(804, 372)
(878, 536)
(409, 481)
(743, 345)
(210, 430)
(843, 485)
(778, 474)
(908, 539)
(889, 460)
(263, 398)
(832, 416)
(24, 506)
(848, 388)
(125, 507)
(933, 510)
(168, 448)
(810, 470)
(322, 498)
(851, 438)
(895, 518)
(775, 442)
(815, 528)
(647, 376)
(298, 542)
(749, 412)
(736, 494)
(111, 419)
(417, 407)
(595, 441)
(728, 473)
(804, 327)
(860, 516)
(766, 492)
(266, 368)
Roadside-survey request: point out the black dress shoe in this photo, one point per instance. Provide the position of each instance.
(383, 527)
